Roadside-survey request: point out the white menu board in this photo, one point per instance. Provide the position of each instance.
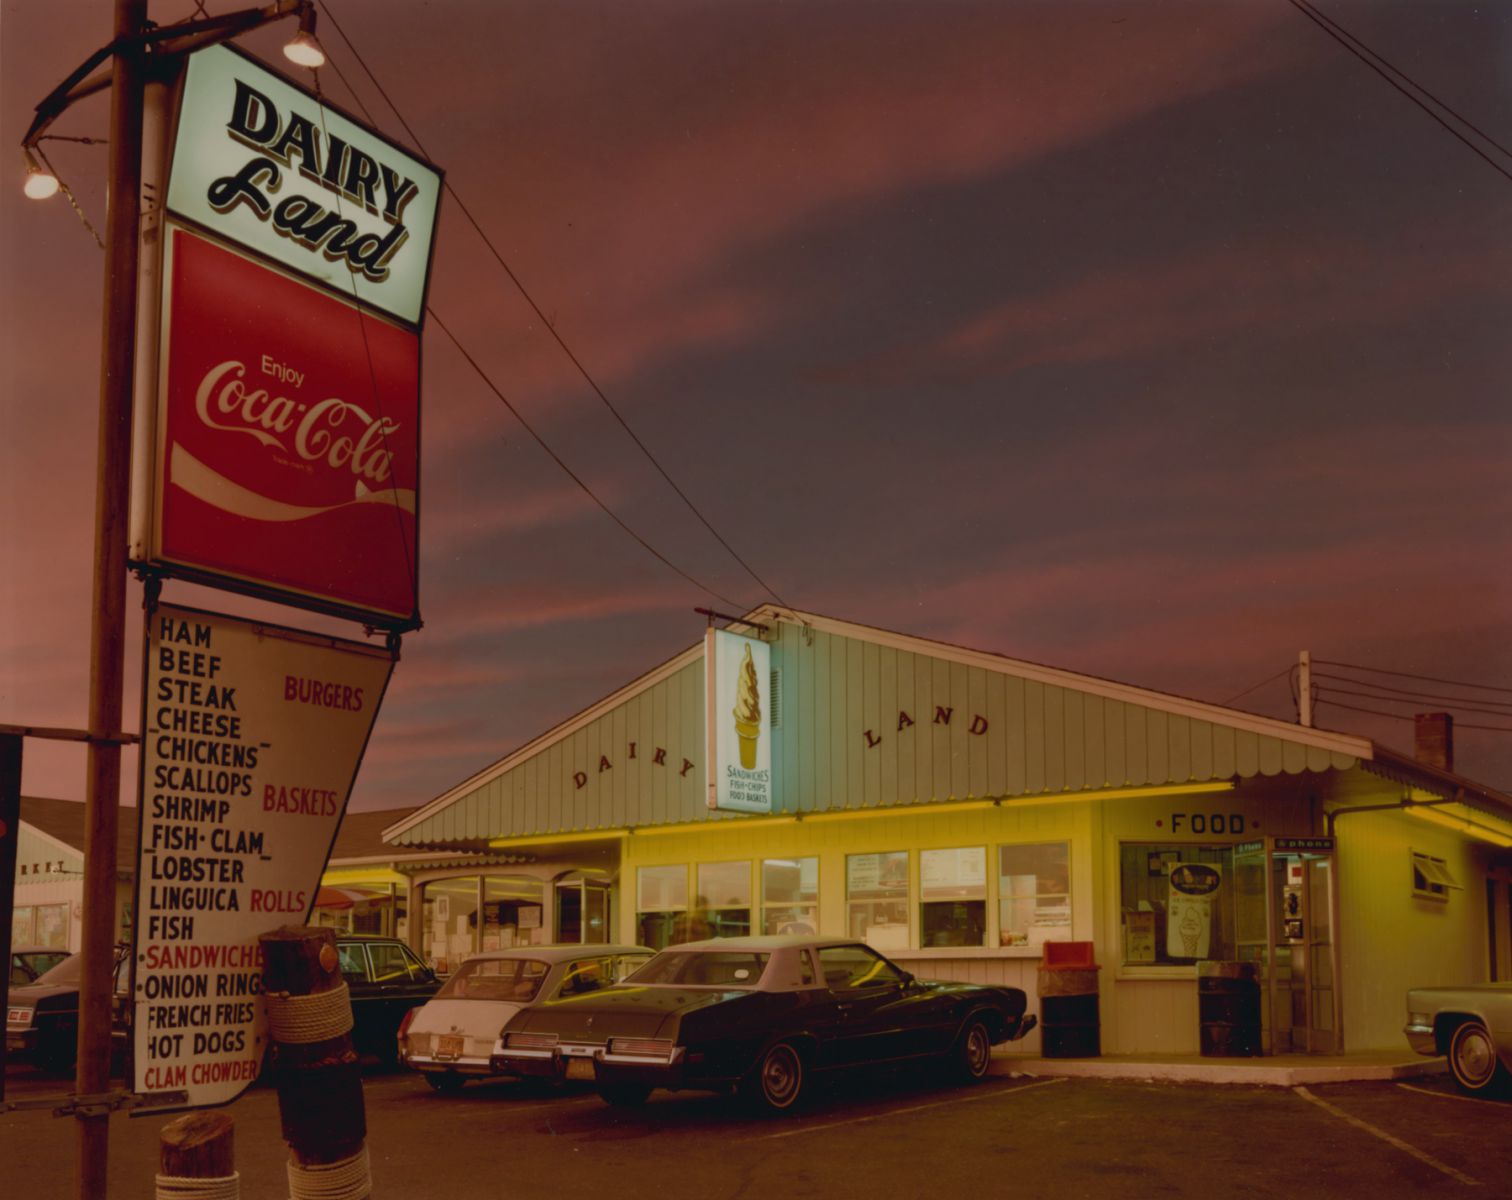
(252, 735)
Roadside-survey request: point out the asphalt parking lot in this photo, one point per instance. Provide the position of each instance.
(871, 1136)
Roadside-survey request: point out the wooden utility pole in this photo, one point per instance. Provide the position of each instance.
(107, 634)
(314, 1065)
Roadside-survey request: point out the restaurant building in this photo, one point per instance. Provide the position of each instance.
(959, 810)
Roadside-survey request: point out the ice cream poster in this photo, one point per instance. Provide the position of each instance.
(739, 722)
(1189, 910)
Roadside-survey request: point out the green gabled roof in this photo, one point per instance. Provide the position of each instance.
(866, 718)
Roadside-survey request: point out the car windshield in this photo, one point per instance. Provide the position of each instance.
(704, 968)
(69, 971)
(514, 979)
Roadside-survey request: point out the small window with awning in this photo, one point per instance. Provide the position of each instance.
(1431, 877)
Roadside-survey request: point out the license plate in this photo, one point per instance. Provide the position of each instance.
(449, 1047)
(580, 1068)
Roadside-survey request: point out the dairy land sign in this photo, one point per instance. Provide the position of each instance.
(264, 163)
(286, 448)
(252, 736)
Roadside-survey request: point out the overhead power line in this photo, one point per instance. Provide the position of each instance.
(1413, 90)
(1375, 712)
(1484, 687)
(1338, 691)
(557, 337)
(556, 458)
(1405, 696)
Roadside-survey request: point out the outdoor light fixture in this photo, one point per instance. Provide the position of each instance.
(1463, 824)
(40, 182)
(302, 49)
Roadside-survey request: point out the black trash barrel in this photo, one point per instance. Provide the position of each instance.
(1069, 1022)
(1228, 1008)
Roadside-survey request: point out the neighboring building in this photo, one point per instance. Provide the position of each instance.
(48, 904)
(958, 810)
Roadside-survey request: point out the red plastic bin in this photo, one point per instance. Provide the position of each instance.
(1067, 956)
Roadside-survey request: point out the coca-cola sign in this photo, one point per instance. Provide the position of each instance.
(287, 440)
(264, 163)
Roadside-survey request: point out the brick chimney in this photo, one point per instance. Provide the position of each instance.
(1433, 740)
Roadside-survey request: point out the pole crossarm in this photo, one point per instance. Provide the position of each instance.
(179, 38)
(50, 733)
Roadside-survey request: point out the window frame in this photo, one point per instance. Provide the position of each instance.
(810, 907)
(1428, 866)
(1000, 898)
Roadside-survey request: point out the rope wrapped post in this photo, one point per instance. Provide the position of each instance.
(315, 1067)
(196, 1158)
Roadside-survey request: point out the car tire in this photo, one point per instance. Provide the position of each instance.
(1473, 1061)
(972, 1053)
(624, 1095)
(778, 1082)
(447, 1083)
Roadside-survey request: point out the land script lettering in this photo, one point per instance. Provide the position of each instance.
(288, 143)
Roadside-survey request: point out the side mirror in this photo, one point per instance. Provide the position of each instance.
(906, 978)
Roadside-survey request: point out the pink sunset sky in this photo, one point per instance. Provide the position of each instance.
(1157, 341)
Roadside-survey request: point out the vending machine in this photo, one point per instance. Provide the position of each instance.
(1286, 917)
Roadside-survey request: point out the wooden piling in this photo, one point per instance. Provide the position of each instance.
(197, 1157)
(315, 1067)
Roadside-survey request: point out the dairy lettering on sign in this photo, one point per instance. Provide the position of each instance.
(252, 740)
(263, 162)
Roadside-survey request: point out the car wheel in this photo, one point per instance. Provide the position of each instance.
(972, 1054)
(624, 1095)
(776, 1085)
(445, 1082)
(1472, 1059)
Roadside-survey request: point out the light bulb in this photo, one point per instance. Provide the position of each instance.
(40, 184)
(303, 50)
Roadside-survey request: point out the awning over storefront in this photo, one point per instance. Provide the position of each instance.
(339, 897)
(864, 719)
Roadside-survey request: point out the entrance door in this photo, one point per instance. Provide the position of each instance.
(1284, 914)
(582, 911)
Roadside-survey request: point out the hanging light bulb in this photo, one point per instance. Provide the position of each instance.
(302, 49)
(40, 183)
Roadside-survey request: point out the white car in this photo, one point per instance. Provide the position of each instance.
(450, 1038)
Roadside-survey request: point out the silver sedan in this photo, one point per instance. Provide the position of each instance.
(1471, 1026)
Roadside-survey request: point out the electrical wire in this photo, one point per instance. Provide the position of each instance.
(1335, 691)
(540, 441)
(551, 328)
(1485, 687)
(1400, 717)
(1258, 686)
(1376, 63)
(571, 474)
(1409, 697)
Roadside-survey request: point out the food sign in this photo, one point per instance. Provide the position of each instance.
(252, 736)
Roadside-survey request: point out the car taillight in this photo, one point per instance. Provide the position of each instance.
(405, 1024)
(18, 1016)
(530, 1041)
(656, 1047)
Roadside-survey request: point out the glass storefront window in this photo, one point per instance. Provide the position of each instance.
(724, 899)
(52, 926)
(21, 926)
(1034, 893)
(790, 895)
(450, 922)
(661, 905)
(1177, 903)
(876, 898)
(513, 913)
(953, 897)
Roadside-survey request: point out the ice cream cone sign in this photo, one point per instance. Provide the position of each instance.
(747, 710)
(1189, 912)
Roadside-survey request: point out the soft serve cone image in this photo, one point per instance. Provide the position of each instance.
(747, 710)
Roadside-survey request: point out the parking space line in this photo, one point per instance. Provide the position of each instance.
(898, 1112)
(1451, 1096)
(1390, 1139)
